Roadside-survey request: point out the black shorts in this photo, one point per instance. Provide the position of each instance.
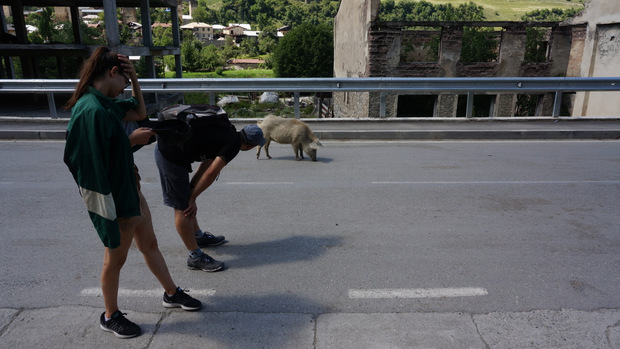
(174, 182)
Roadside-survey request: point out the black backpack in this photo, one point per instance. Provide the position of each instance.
(197, 115)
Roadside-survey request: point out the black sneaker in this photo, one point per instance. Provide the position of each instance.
(119, 325)
(181, 299)
(204, 262)
(209, 240)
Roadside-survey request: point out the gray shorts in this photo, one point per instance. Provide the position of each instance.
(174, 182)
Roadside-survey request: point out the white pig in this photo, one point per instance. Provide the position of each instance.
(289, 131)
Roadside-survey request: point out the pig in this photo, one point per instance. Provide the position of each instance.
(289, 131)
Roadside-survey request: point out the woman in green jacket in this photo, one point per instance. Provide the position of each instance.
(98, 154)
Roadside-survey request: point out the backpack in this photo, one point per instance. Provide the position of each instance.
(197, 115)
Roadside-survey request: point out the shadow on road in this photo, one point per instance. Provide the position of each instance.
(292, 249)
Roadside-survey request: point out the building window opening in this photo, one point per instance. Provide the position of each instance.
(420, 46)
(537, 45)
(528, 105)
(480, 45)
(416, 106)
(482, 108)
(542, 104)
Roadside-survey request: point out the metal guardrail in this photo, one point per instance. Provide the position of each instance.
(469, 86)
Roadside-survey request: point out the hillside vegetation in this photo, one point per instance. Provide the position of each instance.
(494, 10)
(511, 10)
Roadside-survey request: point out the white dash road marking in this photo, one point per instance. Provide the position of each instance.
(259, 183)
(497, 182)
(142, 293)
(388, 293)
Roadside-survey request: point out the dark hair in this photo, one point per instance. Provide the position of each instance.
(95, 66)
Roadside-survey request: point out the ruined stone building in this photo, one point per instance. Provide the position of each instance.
(596, 54)
(364, 47)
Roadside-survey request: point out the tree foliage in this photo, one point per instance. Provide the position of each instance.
(265, 13)
(190, 53)
(409, 10)
(478, 46)
(305, 51)
(553, 15)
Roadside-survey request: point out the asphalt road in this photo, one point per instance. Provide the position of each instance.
(371, 228)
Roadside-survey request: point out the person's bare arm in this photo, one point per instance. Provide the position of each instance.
(208, 175)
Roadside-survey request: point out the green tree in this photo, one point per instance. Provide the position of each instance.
(553, 15)
(44, 21)
(477, 46)
(91, 35)
(409, 10)
(305, 51)
(267, 39)
(204, 14)
(162, 36)
(190, 53)
(263, 12)
(249, 47)
(230, 50)
(295, 14)
(160, 15)
(211, 58)
(277, 12)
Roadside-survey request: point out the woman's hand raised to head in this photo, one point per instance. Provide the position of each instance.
(128, 66)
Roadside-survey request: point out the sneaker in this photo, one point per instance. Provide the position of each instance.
(204, 262)
(208, 240)
(181, 299)
(119, 325)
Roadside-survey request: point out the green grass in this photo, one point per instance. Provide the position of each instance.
(214, 4)
(512, 10)
(230, 74)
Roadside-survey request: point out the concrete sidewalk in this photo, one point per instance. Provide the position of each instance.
(77, 327)
(45, 128)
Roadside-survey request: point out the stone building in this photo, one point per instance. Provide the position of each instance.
(364, 47)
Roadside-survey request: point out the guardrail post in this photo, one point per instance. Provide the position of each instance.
(557, 104)
(382, 107)
(212, 100)
(52, 105)
(470, 104)
(297, 113)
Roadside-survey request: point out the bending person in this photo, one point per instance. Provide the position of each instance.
(213, 147)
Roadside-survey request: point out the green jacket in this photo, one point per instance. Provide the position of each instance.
(99, 156)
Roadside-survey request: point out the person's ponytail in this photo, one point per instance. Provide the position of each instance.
(95, 66)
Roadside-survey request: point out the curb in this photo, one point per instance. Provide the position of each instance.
(375, 135)
(465, 135)
(29, 128)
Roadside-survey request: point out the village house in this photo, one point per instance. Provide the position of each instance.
(202, 31)
(234, 31)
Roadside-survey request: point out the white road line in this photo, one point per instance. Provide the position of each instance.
(387, 293)
(259, 183)
(95, 291)
(497, 182)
